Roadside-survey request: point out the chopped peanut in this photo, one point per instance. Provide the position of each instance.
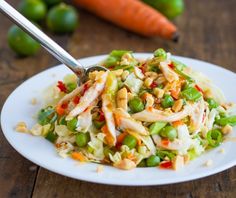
(222, 150)
(138, 73)
(37, 129)
(227, 106)
(159, 93)
(209, 163)
(125, 164)
(100, 169)
(227, 129)
(33, 101)
(186, 159)
(118, 72)
(177, 105)
(21, 127)
(208, 93)
(122, 99)
(92, 75)
(124, 75)
(149, 100)
(152, 75)
(148, 81)
(130, 95)
(178, 162)
(160, 80)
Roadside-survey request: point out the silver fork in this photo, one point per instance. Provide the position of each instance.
(51, 46)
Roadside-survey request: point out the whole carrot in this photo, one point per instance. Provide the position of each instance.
(133, 15)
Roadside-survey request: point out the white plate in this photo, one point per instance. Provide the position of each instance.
(40, 151)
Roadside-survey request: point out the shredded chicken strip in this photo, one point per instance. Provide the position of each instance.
(197, 116)
(125, 122)
(154, 115)
(169, 74)
(90, 95)
(107, 108)
(84, 120)
(71, 95)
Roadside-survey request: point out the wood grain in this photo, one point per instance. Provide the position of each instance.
(208, 30)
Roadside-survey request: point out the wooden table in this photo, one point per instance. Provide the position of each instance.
(208, 32)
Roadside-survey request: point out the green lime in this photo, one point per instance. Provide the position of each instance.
(21, 42)
(62, 18)
(34, 10)
(52, 2)
(170, 8)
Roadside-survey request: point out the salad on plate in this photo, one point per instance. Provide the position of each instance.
(141, 113)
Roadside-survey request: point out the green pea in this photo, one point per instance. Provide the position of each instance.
(153, 160)
(160, 53)
(130, 141)
(156, 127)
(231, 120)
(169, 132)
(191, 94)
(136, 105)
(212, 103)
(167, 101)
(71, 86)
(108, 151)
(98, 124)
(82, 139)
(142, 163)
(214, 137)
(71, 124)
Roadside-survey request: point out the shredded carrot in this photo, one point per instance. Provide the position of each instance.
(177, 123)
(139, 142)
(60, 110)
(108, 137)
(133, 15)
(78, 156)
(165, 142)
(121, 137)
(131, 157)
(175, 93)
(150, 109)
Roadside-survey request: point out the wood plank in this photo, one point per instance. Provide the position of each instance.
(208, 32)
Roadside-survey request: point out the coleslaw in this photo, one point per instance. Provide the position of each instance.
(141, 113)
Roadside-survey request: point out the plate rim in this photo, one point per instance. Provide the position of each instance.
(107, 181)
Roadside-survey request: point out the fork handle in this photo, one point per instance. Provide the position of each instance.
(52, 47)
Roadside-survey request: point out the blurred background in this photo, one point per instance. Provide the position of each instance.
(206, 31)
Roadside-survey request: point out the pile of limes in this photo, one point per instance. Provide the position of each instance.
(59, 18)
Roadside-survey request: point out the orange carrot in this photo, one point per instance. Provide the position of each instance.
(175, 93)
(165, 142)
(60, 110)
(78, 156)
(177, 123)
(108, 137)
(121, 137)
(133, 15)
